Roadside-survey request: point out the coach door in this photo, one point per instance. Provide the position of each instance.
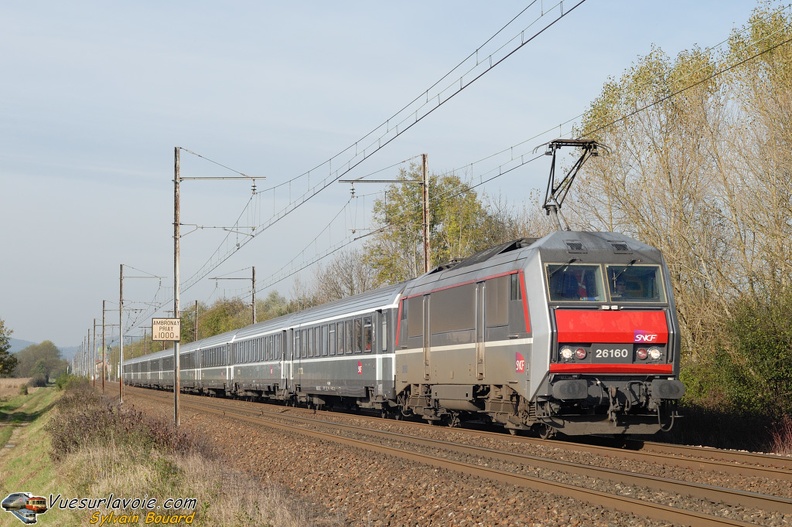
(480, 321)
(286, 362)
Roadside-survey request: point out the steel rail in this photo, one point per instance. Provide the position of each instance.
(618, 502)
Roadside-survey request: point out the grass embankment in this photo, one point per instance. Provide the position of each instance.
(86, 447)
(25, 464)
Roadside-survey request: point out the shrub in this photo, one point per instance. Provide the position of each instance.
(64, 379)
(782, 436)
(39, 381)
(85, 419)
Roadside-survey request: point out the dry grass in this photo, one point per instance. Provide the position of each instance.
(102, 450)
(782, 437)
(11, 387)
(224, 498)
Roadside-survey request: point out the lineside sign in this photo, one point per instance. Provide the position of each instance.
(166, 329)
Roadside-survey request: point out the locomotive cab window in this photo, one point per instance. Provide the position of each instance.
(575, 283)
(635, 283)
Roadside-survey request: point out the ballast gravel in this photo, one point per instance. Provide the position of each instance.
(357, 488)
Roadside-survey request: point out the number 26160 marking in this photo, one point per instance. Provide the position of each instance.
(611, 353)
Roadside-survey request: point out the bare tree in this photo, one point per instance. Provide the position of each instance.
(348, 274)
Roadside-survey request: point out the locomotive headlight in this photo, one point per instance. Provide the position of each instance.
(566, 353)
(642, 353)
(655, 353)
(580, 353)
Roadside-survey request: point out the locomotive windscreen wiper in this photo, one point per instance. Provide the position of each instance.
(563, 268)
(617, 275)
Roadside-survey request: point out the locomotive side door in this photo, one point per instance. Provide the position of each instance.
(480, 346)
(426, 338)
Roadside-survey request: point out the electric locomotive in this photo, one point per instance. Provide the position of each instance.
(573, 333)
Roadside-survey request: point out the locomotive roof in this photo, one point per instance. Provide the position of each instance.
(558, 245)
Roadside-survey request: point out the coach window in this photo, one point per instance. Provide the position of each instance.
(368, 334)
(357, 335)
(323, 338)
(384, 332)
(348, 337)
(297, 342)
(340, 338)
(331, 340)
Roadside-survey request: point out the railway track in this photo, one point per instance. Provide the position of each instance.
(507, 462)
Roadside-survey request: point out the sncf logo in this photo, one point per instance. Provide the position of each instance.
(641, 336)
(519, 363)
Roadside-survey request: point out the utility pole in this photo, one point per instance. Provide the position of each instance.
(93, 349)
(425, 163)
(424, 182)
(121, 337)
(177, 179)
(176, 281)
(104, 364)
(195, 323)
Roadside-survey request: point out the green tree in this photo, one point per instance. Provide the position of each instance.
(7, 361)
(274, 305)
(41, 361)
(458, 226)
(224, 315)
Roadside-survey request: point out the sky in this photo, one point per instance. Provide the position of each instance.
(287, 96)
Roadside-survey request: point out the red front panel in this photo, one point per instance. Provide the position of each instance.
(577, 326)
(643, 369)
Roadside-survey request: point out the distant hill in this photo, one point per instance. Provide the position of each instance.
(19, 345)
